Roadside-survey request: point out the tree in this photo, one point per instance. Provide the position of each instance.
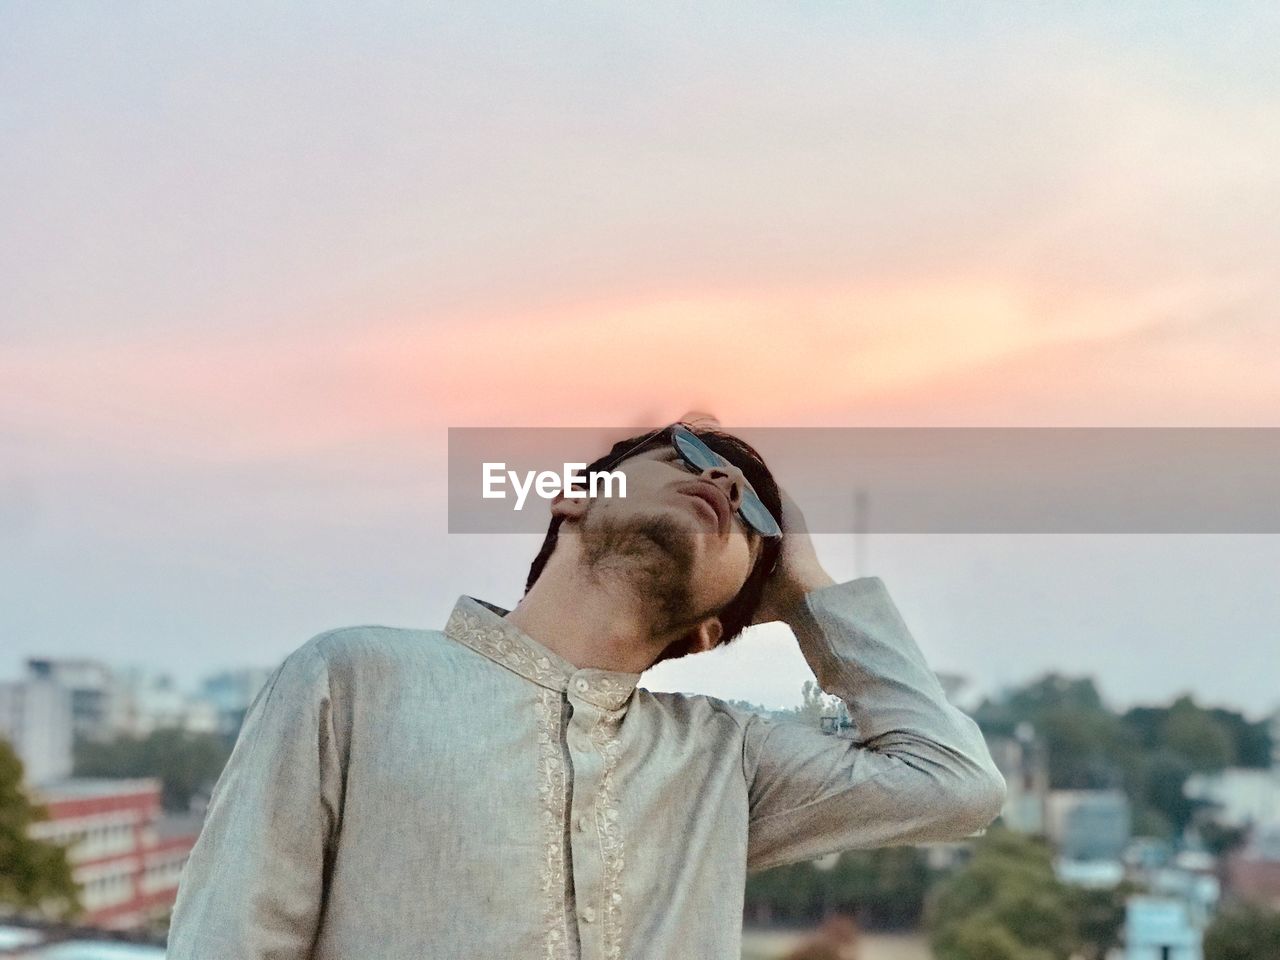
(1177, 741)
(187, 763)
(1008, 903)
(1207, 738)
(1099, 917)
(1149, 752)
(1220, 839)
(34, 875)
(1160, 787)
(1198, 737)
(882, 889)
(814, 704)
(1243, 933)
(1252, 741)
(1088, 746)
(975, 937)
(789, 894)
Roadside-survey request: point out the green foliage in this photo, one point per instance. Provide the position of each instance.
(1252, 741)
(1007, 902)
(1099, 918)
(186, 763)
(34, 876)
(814, 704)
(883, 889)
(1148, 751)
(1198, 737)
(1221, 840)
(978, 937)
(1243, 933)
(789, 893)
(1158, 783)
(1087, 743)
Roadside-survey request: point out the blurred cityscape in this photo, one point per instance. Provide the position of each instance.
(1147, 834)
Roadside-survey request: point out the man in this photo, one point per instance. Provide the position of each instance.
(503, 789)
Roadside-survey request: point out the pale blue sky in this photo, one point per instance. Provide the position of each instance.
(256, 261)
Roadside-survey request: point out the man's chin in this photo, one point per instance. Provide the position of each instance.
(657, 553)
(675, 537)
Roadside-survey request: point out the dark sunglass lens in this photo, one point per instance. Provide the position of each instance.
(757, 514)
(752, 508)
(694, 450)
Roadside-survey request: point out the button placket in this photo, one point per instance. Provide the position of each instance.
(578, 763)
(585, 841)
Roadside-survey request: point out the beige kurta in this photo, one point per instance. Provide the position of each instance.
(430, 795)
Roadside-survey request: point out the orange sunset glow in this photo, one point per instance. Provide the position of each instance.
(253, 276)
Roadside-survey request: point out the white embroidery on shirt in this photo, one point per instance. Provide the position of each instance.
(605, 736)
(609, 693)
(497, 644)
(504, 644)
(552, 795)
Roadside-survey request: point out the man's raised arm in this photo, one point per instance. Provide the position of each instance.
(254, 884)
(919, 769)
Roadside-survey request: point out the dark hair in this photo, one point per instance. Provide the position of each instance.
(737, 613)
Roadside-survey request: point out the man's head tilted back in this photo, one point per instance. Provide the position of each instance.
(681, 546)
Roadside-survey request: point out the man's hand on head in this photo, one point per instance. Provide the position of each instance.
(799, 571)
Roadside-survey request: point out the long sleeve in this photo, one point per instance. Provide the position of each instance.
(253, 887)
(919, 769)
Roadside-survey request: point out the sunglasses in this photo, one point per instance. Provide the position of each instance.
(700, 457)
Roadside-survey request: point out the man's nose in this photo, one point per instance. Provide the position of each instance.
(729, 479)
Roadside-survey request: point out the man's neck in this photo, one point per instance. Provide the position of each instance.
(591, 621)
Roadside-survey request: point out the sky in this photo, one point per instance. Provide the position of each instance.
(255, 263)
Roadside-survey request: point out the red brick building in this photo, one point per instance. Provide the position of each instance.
(126, 856)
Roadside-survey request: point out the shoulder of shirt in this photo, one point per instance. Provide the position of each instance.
(369, 643)
(696, 708)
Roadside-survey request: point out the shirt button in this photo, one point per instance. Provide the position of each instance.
(582, 823)
(588, 915)
(580, 685)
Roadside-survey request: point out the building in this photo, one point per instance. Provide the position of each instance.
(151, 701)
(231, 692)
(1023, 762)
(91, 686)
(125, 855)
(1253, 874)
(1090, 874)
(1240, 797)
(1254, 880)
(1160, 928)
(1088, 824)
(36, 719)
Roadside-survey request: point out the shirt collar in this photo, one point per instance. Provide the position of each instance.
(484, 628)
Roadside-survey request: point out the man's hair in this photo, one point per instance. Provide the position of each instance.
(737, 613)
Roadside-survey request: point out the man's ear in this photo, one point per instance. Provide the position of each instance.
(701, 638)
(568, 508)
(705, 635)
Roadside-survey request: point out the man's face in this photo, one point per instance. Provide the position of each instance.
(680, 530)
